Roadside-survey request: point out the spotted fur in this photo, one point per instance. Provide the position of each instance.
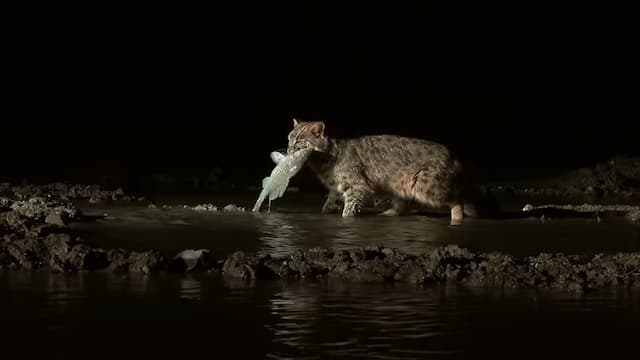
(358, 170)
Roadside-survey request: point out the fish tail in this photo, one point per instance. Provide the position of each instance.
(263, 195)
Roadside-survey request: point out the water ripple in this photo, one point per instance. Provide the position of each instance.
(369, 325)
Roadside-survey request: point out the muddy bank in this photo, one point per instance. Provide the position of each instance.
(208, 207)
(65, 192)
(32, 241)
(618, 178)
(597, 212)
(449, 264)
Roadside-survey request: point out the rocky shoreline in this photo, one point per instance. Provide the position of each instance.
(617, 179)
(36, 236)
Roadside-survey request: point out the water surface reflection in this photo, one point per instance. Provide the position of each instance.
(170, 316)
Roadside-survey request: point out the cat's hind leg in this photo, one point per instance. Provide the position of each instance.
(457, 213)
(436, 189)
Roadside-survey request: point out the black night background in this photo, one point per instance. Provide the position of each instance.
(135, 140)
(181, 94)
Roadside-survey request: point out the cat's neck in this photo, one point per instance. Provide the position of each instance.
(321, 161)
(334, 147)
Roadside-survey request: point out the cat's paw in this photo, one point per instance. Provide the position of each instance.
(350, 210)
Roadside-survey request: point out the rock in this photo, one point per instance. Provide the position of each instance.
(118, 193)
(37, 252)
(189, 259)
(54, 219)
(63, 191)
(232, 207)
(5, 203)
(411, 272)
(239, 266)
(38, 208)
(118, 260)
(611, 179)
(34, 208)
(451, 264)
(146, 262)
(12, 221)
(205, 207)
(84, 257)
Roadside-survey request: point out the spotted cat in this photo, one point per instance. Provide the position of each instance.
(406, 170)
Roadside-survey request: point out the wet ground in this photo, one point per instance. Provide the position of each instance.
(168, 315)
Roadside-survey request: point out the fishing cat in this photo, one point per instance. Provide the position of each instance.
(407, 170)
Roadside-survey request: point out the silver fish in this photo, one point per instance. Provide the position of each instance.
(287, 166)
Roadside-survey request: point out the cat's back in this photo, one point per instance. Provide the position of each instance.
(395, 149)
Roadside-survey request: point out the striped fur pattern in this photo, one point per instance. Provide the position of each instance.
(355, 171)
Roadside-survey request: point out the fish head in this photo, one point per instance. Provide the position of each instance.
(277, 156)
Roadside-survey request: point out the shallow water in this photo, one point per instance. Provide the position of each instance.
(106, 315)
(100, 315)
(298, 224)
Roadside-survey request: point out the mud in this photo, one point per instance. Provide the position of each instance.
(201, 207)
(35, 216)
(34, 234)
(448, 264)
(30, 243)
(63, 191)
(618, 178)
(585, 210)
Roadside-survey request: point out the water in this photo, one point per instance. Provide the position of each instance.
(295, 223)
(101, 315)
(106, 315)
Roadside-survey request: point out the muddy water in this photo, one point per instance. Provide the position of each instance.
(102, 315)
(296, 223)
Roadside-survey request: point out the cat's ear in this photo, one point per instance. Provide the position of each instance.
(295, 122)
(317, 129)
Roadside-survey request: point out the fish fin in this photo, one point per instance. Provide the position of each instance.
(277, 157)
(279, 191)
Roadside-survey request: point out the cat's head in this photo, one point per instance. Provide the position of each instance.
(307, 135)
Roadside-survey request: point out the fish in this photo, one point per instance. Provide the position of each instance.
(287, 166)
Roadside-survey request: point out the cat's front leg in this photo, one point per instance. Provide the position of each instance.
(333, 204)
(354, 198)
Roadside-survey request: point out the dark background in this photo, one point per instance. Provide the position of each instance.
(131, 92)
